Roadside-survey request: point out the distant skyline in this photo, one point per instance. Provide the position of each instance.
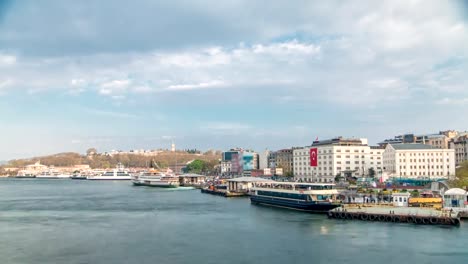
(209, 74)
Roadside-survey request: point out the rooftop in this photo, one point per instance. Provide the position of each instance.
(412, 146)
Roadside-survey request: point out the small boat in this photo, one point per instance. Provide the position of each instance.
(156, 179)
(309, 197)
(119, 173)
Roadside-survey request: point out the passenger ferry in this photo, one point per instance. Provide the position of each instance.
(310, 197)
(119, 173)
(156, 179)
(51, 174)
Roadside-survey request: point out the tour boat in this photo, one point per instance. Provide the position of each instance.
(156, 179)
(310, 197)
(116, 174)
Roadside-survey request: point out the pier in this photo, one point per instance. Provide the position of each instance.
(410, 215)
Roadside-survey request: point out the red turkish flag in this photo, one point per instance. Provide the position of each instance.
(313, 157)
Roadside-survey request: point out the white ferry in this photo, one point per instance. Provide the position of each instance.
(116, 174)
(156, 179)
(310, 197)
(50, 174)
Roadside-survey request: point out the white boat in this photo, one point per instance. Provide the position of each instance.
(52, 175)
(156, 179)
(116, 174)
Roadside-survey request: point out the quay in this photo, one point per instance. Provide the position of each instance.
(223, 192)
(389, 213)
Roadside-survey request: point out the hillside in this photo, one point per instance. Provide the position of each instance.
(163, 159)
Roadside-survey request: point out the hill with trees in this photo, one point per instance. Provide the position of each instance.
(105, 161)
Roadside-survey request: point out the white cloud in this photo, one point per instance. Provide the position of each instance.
(453, 101)
(7, 60)
(203, 85)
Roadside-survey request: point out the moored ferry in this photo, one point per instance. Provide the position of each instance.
(118, 173)
(310, 197)
(156, 179)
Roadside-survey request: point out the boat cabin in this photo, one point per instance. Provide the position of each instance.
(298, 191)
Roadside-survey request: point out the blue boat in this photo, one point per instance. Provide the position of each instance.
(309, 197)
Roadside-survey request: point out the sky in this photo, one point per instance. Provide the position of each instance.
(220, 74)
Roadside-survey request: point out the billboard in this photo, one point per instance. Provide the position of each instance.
(313, 157)
(247, 161)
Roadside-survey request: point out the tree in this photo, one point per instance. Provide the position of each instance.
(91, 151)
(461, 176)
(371, 172)
(196, 166)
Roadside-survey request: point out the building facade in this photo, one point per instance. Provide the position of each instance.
(460, 146)
(414, 160)
(336, 157)
(236, 162)
(284, 160)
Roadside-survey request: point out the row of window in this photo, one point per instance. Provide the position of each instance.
(423, 154)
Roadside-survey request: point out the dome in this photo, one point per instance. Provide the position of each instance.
(455, 191)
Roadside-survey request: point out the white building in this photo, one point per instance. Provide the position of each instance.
(226, 167)
(416, 160)
(338, 156)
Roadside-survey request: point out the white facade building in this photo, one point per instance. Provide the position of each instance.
(226, 167)
(416, 160)
(344, 157)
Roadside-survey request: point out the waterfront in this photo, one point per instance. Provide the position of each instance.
(64, 221)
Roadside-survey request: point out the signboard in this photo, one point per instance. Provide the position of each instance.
(313, 157)
(267, 171)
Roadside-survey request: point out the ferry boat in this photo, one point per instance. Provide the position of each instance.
(119, 173)
(25, 175)
(52, 175)
(309, 197)
(156, 179)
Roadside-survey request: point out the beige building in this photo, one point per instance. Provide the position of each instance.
(460, 146)
(338, 156)
(415, 160)
(284, 160)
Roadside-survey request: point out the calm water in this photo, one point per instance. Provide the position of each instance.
(65, 221)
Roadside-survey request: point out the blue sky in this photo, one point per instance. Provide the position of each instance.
(208, 74)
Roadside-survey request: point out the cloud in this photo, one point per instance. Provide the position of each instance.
(453, 101)
(106, 113)
(7, 60)
(203, 85)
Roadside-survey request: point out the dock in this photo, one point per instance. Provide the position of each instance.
(223, 192)
(410, 215)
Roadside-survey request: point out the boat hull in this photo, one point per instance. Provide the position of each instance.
(24, 177)
(155, 184)
(110, 178)
(313, 207)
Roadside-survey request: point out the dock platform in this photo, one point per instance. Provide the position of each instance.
(410, 215)
(223, 193)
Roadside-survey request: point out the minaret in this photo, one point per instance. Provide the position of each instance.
(173, 146)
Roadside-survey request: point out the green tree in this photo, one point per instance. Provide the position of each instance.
(372, 172)
(196, 166)
(461, 176)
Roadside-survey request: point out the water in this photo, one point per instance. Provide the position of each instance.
(66, 221)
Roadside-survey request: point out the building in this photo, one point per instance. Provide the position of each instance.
(226, 167)
(460, 146)
(439, 140)
(414, 160)
(284, 160)
(241, 161)
(263, 159)
(336, 157)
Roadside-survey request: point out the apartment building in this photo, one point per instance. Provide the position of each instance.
(460, 146)
(415, 160)
(338, 156)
